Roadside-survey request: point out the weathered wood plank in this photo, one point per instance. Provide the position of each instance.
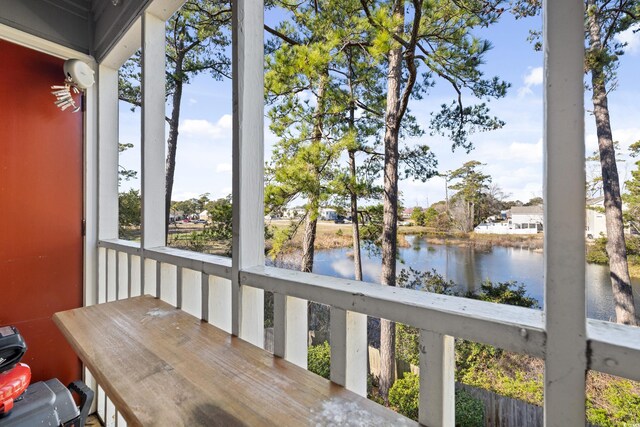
(162, 366)
(615, 349)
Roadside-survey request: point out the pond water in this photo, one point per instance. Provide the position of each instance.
(468, 267)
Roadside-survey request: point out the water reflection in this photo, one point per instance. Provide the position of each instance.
(468, 267)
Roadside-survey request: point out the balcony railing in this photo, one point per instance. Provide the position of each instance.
(200, 284)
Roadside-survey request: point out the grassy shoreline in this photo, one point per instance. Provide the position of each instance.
(333, 236)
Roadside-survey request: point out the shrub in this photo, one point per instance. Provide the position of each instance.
(403, 396)
(510, 293)
(319, 359)
(407, 344)
(597, 253)
(469, 410)
(621, 406)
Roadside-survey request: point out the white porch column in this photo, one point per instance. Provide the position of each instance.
(108, 152)
(107, 83)
(153, 143)
(564, 205)
(248, 167)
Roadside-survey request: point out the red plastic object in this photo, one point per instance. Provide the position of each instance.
(12, 384)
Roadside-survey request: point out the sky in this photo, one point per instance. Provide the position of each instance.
(512, 156)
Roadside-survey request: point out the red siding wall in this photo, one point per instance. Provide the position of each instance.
(41, 209)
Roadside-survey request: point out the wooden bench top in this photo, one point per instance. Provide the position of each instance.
(163, 367)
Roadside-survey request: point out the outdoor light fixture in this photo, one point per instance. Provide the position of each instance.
(78, 77)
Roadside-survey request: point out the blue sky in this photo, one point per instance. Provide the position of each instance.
(513, 155)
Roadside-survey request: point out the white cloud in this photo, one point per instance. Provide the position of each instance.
(519, 152)
(198, 128)
(533, 78)
(631, 38)
(625, 136)
(223, 167)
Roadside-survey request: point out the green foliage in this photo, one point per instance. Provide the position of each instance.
(129, 209)
(431, 217)
(196, 241)
(471, 355)
(281, 235)
(220, 214)
(469, 410)
(534, 201)
(403, 395)
(191, 206)
(471, 188)
(371, 225)
(319, 359)
(510, 293)
(417, 216)
(407, 344)
(492, 376)
(632, 198)
(124, 173)
(430, 281)
(597, 252)
(622, 406)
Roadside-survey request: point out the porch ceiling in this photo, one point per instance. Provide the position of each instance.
(88, 26)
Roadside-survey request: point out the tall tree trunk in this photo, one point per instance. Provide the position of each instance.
(357, 261)
(390, 207)
(309, 238)
(172, 145)
(616, 248)
(353, 180)
(311, 223)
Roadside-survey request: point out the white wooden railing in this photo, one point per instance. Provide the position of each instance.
(200, 284)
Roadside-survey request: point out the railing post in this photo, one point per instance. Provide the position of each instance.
(290, 329)
(204, 299)
(220, 303)
(248, 168)
(103, 254)
(437, 384)
(349, 350)
(564, 205)
(153, 141)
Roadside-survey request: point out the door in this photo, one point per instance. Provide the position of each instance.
(41, 203)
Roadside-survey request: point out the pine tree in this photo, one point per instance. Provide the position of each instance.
(196, 40)
(432, 36)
